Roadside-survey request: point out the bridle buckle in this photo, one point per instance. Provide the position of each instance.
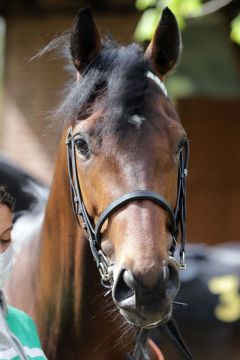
(182, 264)
(104, 268)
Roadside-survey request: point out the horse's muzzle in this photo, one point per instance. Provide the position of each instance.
(142, 305)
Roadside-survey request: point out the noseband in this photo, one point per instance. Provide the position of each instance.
(177, 216)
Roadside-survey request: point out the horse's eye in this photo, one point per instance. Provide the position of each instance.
(82, 146)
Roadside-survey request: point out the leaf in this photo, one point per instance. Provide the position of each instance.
(144, 4)
(149, 20)
(189, 7)
(235, 30)
(147, 25)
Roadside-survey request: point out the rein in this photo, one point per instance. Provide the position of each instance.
(140, 351)
(171, 329)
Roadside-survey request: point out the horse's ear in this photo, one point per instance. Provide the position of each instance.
(85, 40)
(165, 47)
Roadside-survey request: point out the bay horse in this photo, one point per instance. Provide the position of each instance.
(125, 148)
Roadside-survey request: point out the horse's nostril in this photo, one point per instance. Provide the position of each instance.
(123, 288)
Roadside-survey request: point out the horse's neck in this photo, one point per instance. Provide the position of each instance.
(70, 308)
(97, 334)
(60, 257)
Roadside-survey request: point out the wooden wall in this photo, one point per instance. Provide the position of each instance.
(33, 89)
(213, 184)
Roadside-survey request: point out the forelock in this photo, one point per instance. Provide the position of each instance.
(116, 80)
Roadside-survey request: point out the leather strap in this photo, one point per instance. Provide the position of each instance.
(172, 330)
(133, 196)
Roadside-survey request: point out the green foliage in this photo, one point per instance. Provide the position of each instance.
(142, 5)
(182, 9)
(152, 12)
(235, 30)
(147, 24)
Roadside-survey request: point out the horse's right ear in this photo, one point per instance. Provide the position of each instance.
(85, 40)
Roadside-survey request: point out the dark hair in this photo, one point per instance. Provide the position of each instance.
(116, 79)
(6, 198)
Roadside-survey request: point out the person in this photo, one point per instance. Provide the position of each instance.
(18, 335)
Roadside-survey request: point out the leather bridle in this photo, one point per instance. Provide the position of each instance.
(177, 225)
(177, 228)
(177, 216)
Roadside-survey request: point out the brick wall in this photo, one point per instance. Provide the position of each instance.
(32, 89)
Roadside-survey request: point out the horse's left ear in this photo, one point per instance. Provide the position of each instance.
(165, 47)
(85, 42)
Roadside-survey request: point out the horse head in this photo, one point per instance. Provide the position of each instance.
(125, 147)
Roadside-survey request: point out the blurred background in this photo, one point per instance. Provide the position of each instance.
(205, 89)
